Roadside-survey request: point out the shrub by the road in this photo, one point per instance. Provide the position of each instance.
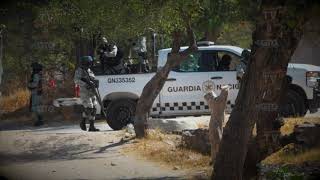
(17, 100)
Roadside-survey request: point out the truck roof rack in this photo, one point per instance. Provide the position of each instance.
(205, 43)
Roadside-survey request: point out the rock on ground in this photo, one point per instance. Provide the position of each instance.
(197, 140)
(178, 124)
(307, 134)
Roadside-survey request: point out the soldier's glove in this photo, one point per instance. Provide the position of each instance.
(85, 80)
(90, 84)
(96, 83)
(93, 84)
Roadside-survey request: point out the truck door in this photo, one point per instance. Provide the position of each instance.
(224, 73)
(182, 93)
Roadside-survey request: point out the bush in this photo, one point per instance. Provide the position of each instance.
(283, 173)
(15, 101)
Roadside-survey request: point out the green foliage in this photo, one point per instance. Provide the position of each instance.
(284, 173)
(217, 13)
(236, 34)
(50, 32)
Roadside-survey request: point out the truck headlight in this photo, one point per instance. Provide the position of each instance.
(313, 79)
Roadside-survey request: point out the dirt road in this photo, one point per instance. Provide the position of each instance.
(62, 151)
(58, 151)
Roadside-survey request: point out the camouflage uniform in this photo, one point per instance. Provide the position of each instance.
(141, 50)
(83, 76)
(110, 56)
(241, 68)
(35, 86)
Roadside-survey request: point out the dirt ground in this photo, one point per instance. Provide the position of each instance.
(60, 150)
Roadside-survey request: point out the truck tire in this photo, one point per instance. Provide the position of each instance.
(119, 113)
(293, 105)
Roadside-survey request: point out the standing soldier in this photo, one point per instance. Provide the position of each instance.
(141, 50)
(111, 56)
(242, 66)
(2, 27)
(85, 79)
(35, 86)
(101, 52)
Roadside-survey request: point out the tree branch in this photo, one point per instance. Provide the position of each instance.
(191, 37)
(176, 42)
(190, 33)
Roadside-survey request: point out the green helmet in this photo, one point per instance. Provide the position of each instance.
(86, 61)
(36, 67)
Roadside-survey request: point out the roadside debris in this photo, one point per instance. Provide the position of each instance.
(307, 134)
(197, 140)
(176, 168)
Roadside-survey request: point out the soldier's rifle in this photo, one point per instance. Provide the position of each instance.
(94, 85)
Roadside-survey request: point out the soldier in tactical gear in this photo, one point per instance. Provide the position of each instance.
(85, 78)
(141, 51)
(35, 86)
(241, 68)
(111, 56)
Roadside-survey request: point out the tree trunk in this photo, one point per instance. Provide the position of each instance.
(217, 106)
(154, 86)
(268, 136)
(1, 55)
(149, 94)
(259, 95)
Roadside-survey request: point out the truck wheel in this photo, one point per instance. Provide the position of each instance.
(294, 105)
(120, 112)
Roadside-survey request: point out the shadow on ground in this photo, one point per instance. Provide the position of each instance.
(55, 148)
(157, 178)
(121, 142)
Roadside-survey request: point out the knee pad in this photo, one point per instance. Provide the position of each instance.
(90, 113)
(87, 111)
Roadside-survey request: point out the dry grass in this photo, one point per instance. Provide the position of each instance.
(293, 155)
(14, 101)
(289, 124)
(163, 148)
(202, 125)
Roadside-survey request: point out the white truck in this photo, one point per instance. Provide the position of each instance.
(183, 92)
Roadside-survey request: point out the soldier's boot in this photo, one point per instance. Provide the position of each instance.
(83, 124)
(39, 121)
(92, 128)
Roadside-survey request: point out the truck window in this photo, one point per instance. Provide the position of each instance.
(200, 61)
(191, 64)
(227, 61)
(208, 61)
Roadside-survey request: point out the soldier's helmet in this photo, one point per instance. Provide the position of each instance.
(86, 61)
(36, 67)
(245, 55)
